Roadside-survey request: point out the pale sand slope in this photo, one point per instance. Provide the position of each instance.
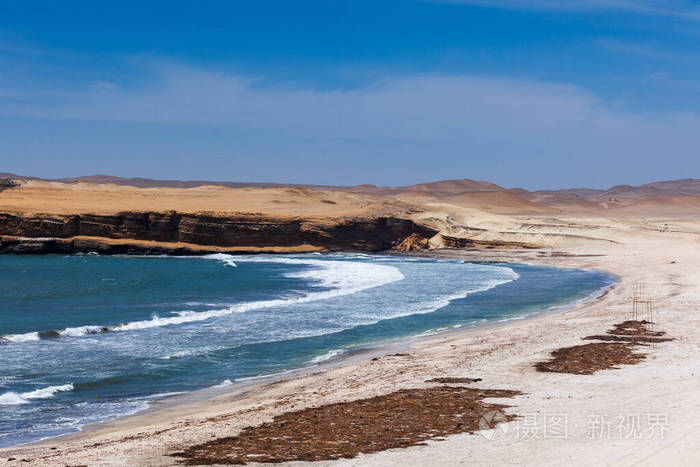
(667, 382)
(43, 197)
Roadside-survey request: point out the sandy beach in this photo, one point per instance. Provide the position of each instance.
(641, 414)
(365, 233)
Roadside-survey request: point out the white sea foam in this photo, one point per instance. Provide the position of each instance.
(78, 331)
(81, 331)
(327, 356)
(13, 398)
(340, 277)
(224, 383)
(271, 375)
(45, 393)
(506, 275)
(224, 258)
(27, 337)
(184, 353)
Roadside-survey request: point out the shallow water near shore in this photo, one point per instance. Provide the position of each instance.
(86, 338)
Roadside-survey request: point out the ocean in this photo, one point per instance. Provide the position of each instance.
(86, 338)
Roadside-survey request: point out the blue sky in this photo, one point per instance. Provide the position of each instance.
(538, 94)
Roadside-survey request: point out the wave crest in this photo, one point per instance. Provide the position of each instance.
(13, 398)
(340, 277)
(26, 337)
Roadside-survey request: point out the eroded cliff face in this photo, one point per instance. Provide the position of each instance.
(57, 233)
(471, 243)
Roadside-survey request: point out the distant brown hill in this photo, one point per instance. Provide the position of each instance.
(585, 197)
(498, 201)
(150, 183)
(667, 205)
(689, 186)
(674, 188)
(440, 187)
(15, 176)
(453, 186)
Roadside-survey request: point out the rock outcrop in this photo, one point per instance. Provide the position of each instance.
(66, 233)
(461, 242)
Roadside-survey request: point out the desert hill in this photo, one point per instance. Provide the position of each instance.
(117, 193)
(441, 188)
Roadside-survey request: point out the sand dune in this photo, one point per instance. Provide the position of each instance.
(35, 196)
(672, 188)
(446, 186)
(452, 186)
(662, 206)
(53, 197)
(657, 189)
(574, 199)
(497, 201)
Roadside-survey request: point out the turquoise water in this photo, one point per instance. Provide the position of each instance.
(87, 338)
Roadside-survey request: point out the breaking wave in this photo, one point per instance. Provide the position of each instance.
(339, 277)
(26, 337)
(14, 398)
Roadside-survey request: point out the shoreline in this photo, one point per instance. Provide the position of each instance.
(346, 357)
(503, 356)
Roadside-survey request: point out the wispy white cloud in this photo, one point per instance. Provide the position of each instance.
(679, 8)
(405, 106)
(523, 123)
(649, 51)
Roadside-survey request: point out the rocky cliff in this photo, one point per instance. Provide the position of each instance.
(471, 243)
(66, 233)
